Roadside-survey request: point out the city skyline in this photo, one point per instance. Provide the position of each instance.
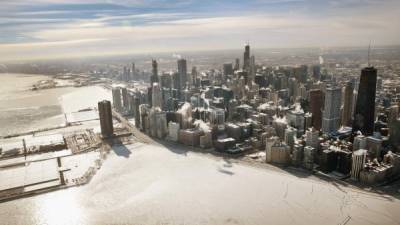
(48, 29)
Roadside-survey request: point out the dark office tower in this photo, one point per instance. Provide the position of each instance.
(154, 75)
(365, 106)
(237, 64)
(228, 70)
(347, 104)
(316, 105)
(316, 72)
(182, 70)
(106, 123)
(246, 57)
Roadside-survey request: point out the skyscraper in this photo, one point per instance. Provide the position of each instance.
(316, 105)
(125, 101)
(154, 75)
(237, 64)
(156, 96)
(228, 70)
(316, 69)
(194, 76)
(105, 114)
(133, 72)
(347, 104)
(117, 103)
(331, 115)
(246, 57)
(365, 106)
(182, 71)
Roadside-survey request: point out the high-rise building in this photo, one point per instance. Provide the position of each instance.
(117, 101)
(347, 104)
(125, 102)
(156, 96)
(154, 75)
(312, 138)
(105, 114)
(365, 106)
(331, 115)
(309, 157)
(316, 72)
(316, 105)
(237, 64)
(228, 70)
(182, 71)
(194, 74)
(136, 104)
(133, 72)
(252, 68)
(246, 57)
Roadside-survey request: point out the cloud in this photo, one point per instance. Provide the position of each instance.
(139, 27)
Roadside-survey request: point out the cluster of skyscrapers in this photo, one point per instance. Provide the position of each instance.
(298, 115)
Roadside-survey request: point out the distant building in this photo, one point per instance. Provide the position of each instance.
(237, 64)
(105, 114)
(228, 70)
(133, 72)
(117, 101)
(125, 102)
(365, 106)
(182, 71)
(316, 72)
(154, 75)
(246, 57)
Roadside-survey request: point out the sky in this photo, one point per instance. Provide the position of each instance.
(52, 29)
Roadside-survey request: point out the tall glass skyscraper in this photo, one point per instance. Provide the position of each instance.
(365, 106)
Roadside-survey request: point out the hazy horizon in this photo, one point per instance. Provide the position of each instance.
(57, 29)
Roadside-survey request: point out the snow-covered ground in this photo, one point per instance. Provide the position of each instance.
(147, 184)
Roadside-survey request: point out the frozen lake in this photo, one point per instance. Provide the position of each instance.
(23, 110)
(147, 184)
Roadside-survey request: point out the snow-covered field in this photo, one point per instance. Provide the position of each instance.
(146, 184)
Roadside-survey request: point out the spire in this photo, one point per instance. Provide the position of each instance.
(369, 51)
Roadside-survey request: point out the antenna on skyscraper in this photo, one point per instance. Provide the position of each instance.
(369, 51)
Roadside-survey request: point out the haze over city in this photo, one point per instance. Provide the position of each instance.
(150, 112)
(48, 29)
